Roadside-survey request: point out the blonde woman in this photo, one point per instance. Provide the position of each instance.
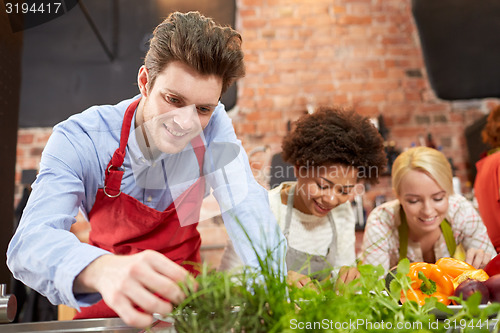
(427, 221)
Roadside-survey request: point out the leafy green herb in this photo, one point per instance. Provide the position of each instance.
(262, 301)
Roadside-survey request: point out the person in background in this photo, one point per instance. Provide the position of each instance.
(139, 171)
(487, 182)
(427, 221)
(332, 150)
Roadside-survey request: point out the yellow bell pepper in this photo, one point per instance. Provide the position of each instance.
(453, 267)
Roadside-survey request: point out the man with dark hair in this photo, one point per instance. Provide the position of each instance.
(139, 170)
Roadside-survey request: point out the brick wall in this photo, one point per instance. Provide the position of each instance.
(30, 144)
(362, 54)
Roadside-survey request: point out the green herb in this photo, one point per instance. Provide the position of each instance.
(262, 301)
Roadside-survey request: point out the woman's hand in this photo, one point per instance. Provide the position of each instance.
(347, 274)
(477, 258)
(135, 280)
(299, 280)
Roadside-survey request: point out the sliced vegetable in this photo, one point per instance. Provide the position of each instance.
(428, 280)
(453, 267)
(476, 274)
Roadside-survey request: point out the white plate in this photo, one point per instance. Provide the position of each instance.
(455, 308)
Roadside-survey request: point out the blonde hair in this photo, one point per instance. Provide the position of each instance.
(424, 159)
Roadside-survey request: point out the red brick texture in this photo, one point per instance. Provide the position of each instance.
(359, 54)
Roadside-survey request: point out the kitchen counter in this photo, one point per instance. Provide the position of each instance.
(104, 325)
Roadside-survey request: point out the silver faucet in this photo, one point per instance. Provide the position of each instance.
(8, 306)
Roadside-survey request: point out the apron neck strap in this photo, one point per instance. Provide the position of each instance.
(289, 209)
(113, 174)
(451, 244)
(119, 155)
(403, 235)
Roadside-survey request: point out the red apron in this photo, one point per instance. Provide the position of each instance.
(123, 225)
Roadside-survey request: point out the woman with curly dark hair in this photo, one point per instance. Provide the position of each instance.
(487, 182)
(332, 151)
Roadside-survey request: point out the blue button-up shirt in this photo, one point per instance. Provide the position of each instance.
(47, 257)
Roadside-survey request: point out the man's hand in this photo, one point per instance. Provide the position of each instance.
(125, 281)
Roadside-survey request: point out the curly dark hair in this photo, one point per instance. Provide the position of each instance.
(491, 132)
(336, 136)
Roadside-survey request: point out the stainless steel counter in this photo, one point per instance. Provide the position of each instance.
(107, 325)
